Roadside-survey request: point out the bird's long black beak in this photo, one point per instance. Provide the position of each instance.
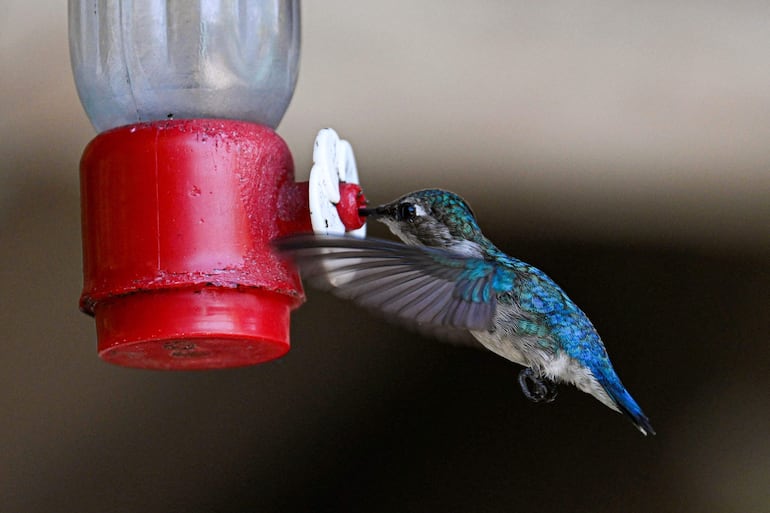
(371, 212)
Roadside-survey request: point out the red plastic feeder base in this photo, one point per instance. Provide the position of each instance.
(212, 328)
(177, 222)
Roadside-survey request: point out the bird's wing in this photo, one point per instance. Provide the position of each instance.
(434, 289)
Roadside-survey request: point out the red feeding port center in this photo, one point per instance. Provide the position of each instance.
(177, 222)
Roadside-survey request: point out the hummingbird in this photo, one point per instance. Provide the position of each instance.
(447, 279)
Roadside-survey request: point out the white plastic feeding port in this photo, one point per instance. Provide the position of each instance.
(333, 162)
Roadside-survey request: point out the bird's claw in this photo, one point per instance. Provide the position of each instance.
(537, 388)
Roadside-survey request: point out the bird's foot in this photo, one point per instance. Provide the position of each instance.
(537, 388)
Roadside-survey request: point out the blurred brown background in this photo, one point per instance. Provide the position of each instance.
(620, 146)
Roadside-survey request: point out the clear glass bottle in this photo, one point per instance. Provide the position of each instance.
(145, 60)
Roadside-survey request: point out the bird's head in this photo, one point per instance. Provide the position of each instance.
(430, 217)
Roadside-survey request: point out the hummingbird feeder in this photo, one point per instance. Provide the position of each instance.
(186, 183)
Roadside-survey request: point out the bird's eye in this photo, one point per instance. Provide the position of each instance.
(406, 212)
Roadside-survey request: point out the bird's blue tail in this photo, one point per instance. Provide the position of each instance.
(627, 405)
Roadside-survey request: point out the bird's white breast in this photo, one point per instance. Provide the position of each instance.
(547, 359)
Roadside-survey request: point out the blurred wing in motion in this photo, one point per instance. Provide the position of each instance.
(426, 287)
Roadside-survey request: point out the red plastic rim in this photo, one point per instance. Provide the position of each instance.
(177, 263)
(213, 328)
